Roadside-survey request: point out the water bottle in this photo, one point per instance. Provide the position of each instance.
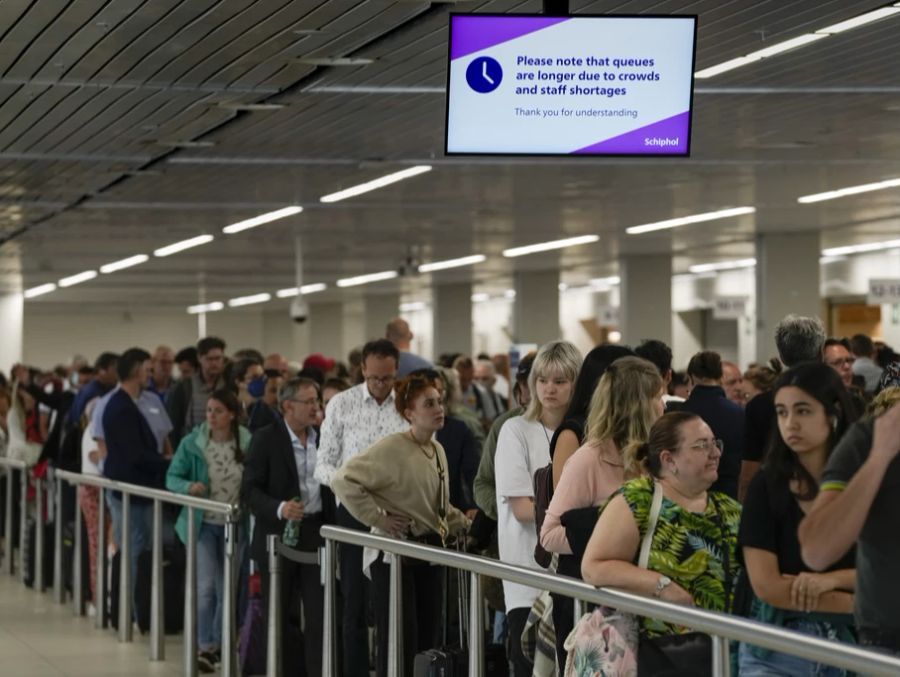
(291, 536)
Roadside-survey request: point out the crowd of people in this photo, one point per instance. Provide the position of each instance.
(766, 492)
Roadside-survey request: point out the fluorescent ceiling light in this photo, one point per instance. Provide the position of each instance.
(480, 297)
(76, 279)
(124, 263)
(451, 263)
(205, 308)
(861, 248)
(686, 220)
(798, 41)
(611, 280)
(509, 294)
(39, 290)
(860, 20)
(248, 300)
(375, 184)
(850, 190)
(366, 279)
(412, 306)
(184, 244)
(786, 46)
(547, 246)
(261, 219)
(304, 290)
(722, 265)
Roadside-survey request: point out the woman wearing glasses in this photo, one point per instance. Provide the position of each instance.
(400, 487)
(693, 537)
(813, 409)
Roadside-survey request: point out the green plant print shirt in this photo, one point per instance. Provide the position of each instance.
(693, 549)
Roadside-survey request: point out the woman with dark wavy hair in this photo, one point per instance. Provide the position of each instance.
(813, 410)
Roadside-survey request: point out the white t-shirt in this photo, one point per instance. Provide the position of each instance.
(522, 447)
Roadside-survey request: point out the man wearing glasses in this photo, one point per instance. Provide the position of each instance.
(837, 355)
(186, 404)
(355, 420)
(281, 490)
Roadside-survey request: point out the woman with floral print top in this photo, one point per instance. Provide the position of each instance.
(693, 557)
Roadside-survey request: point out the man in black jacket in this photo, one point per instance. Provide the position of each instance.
(280, 488)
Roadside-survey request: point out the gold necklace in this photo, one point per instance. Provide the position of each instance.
(422, 446)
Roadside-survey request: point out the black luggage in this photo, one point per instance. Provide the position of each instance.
(173, 589)
(495, 661)
(451, 662)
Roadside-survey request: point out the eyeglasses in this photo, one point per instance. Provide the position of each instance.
(381, 380)
(844, 362)
(307, 403)
(707, 446)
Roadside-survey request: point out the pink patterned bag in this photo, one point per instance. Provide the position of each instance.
(603, 644)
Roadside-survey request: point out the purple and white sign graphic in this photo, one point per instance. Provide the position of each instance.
(570, 85)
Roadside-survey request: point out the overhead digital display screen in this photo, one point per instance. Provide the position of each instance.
(581, 85)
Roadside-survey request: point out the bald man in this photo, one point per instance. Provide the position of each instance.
(733, 383)
(276, 362)
(399, 334)
(161, 382)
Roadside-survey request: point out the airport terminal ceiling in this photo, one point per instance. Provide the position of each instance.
(129, 125)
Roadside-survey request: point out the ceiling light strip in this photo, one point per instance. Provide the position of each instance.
(249, 300)
(261, 219)
(77, 279)
(302, 290)
(452, 263)
(798, 41)
(722, 265)
(861, 248)
(548, 246)
(40, 290)
(850, 190)
(375, 184)
(176, 247)
(366, 279)
(124, 263)
(687, 220)
(205, 308)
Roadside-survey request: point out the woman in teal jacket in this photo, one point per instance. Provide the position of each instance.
(209, 463)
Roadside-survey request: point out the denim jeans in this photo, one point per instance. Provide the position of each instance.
(210, 585)
(785, 665)
(141, 528)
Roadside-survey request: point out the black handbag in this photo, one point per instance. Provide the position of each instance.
(688, 654)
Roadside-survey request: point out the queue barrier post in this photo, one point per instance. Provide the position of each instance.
(77, 570)
(126, 628)
(58, 589)
(229, 645)
(101, 619)
(329, 630)
(157, 589)
(39, 583)
(273, 639)
(8, 561)
(190, 597)
(395, 619)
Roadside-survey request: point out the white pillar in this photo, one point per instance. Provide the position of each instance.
(536, 308)
(787, 281)
(11, 319)
(380, 309)
(645, 295)
(452, 317)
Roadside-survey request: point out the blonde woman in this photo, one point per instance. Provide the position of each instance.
(523, 446)
(624, 406)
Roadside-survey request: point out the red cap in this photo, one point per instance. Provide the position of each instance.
(319, 361)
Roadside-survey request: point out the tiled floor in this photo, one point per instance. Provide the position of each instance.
(41, 639)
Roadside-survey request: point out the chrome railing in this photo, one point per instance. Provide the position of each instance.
(721, 627)
(229, 667)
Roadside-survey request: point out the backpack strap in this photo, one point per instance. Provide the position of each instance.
(647, 541)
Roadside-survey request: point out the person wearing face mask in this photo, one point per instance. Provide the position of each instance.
(813, 410)
(693, 540)
(522, 447)
(399, 487)
(250, 384)
(209, 464)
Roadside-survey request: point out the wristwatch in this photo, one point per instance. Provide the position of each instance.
(662, 584)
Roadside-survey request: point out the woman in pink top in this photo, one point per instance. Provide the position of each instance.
(624, 406)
